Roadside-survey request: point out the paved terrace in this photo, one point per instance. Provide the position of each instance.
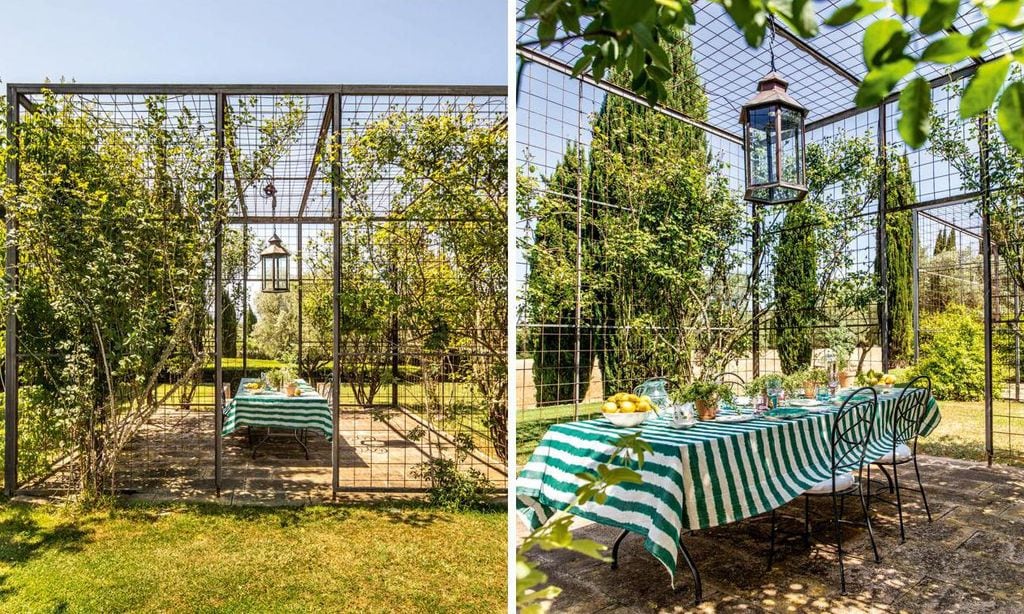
(970, 559)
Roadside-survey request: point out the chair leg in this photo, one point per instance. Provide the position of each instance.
(615, 549)
(888, 478)
(899, 502)
(839, 544)
(924, 497)
(807, 522)
(771, 547)
(867, 520)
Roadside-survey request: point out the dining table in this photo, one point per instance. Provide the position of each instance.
(273, 409)
(715, 473)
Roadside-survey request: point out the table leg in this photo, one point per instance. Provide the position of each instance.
(300, 436)
(698, 590)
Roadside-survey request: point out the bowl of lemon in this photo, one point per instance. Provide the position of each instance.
(624, 409)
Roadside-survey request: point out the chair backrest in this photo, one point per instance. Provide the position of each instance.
(227, 392)
(733, 381)
(851, 431)
(909, 412)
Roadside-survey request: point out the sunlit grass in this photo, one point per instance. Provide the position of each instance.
(187, 558)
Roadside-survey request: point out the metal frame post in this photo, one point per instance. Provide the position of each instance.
(336, 213)
(881, 242)
(11, 346)
(986, 266)
(755, 292)
(298, 290)
(577, 352)
(218, 303)
(915, 241)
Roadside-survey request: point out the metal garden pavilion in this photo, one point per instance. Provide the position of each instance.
(306, 202)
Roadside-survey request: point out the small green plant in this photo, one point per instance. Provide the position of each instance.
(702, 390)
(817, 375)
(452, 488)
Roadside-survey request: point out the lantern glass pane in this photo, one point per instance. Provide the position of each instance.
(791, 146)
(761, 154)
(281, 272)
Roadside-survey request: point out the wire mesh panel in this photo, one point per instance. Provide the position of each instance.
(420, 334)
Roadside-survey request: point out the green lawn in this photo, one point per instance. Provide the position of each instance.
(206, 558)
(961, 434)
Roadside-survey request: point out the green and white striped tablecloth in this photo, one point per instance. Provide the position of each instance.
(709, 475)
(276, 410)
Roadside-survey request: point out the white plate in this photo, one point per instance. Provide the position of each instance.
(683, 425)
(735, 418)
(803, 403)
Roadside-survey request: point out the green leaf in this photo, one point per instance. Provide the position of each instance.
(951, 49)
(884, 42)
(581, 65)
(625, 13)
(1006, 13)
(880, 81)
(853, 11)
(1011, 116)
(939, 16)
(984, 86)
(801, 16)
(915, 109)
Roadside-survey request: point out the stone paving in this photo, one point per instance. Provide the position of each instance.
(171, 458)
(969, 559)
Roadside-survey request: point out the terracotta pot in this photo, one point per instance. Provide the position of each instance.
(707, 410)
(291, 389)
(844, 378)
(809, 389)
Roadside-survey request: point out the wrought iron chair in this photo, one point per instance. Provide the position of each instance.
(734, 381)
(848, 444)
(904, 429)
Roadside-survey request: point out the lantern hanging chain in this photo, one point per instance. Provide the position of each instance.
(771, 41)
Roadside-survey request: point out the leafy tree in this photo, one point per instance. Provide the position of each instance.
(450, 177)
(899, 256)
(276, 333)
(117, 220)
(660, 226)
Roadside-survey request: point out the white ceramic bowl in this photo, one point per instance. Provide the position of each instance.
(631, 419)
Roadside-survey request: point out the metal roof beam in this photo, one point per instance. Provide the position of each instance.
(818, 56)
(561, 67)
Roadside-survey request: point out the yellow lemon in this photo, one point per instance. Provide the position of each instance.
(627, 407)
(610, 408)
(644, 405)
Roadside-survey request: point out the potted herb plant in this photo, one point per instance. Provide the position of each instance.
(810, 379)
(705, 395)
(842, 342)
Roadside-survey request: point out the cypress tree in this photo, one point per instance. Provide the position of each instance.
(796, 287)
(940, 242)
(229, 324)
(550, 288)
(899, 261)
(951, 242)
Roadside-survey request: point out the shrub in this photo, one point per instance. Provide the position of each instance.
(953, 354)
(451, 488)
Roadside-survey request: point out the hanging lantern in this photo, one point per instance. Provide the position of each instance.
(773, 139)
(275, 267)
(274, 260)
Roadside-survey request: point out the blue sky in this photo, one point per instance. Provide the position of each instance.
(254, 41)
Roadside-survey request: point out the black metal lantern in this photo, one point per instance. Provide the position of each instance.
(274, 260)
(773, 138)
(275, 266)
